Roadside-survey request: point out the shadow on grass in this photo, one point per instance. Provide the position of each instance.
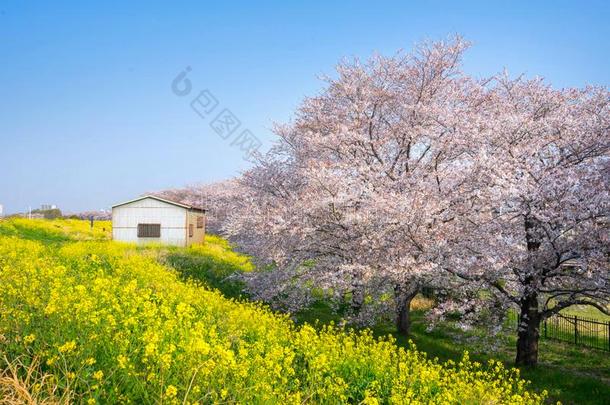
(213, 272)
(319, 313)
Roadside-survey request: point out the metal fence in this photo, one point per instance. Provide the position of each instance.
(576, 330)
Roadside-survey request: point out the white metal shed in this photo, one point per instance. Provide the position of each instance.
(153, 219)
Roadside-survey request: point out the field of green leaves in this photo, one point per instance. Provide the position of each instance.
(87, 320)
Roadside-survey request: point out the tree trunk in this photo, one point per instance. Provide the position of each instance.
(529, 332)
(403, 296)
(357, 300)
(529, 320)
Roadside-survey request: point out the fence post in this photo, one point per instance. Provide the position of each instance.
(575, 330)
(545, 328)
(608, 336)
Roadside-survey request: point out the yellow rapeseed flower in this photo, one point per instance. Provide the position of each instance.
(171, 391)
(67, 347)
(148, 327)
(122, 360)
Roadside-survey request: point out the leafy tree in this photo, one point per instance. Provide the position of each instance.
(49, 214)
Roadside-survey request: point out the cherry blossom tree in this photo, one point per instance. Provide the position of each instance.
(536, 230)
(360, 184)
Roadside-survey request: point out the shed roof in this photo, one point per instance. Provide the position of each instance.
(176, 203)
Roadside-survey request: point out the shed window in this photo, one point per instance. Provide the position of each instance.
(191, 230)
(149, 230)
(200, 222)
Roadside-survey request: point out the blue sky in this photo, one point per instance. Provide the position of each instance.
(88, 118)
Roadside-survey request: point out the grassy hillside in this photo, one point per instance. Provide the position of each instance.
(87, 320)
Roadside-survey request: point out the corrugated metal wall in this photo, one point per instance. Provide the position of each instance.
(173, 220)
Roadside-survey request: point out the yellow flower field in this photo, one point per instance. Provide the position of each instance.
(103, 322)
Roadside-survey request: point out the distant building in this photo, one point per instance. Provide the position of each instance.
(152, 219)
(48, 207)
(1, 210)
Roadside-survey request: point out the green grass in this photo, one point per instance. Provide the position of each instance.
(586, 311)
(215, 263)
